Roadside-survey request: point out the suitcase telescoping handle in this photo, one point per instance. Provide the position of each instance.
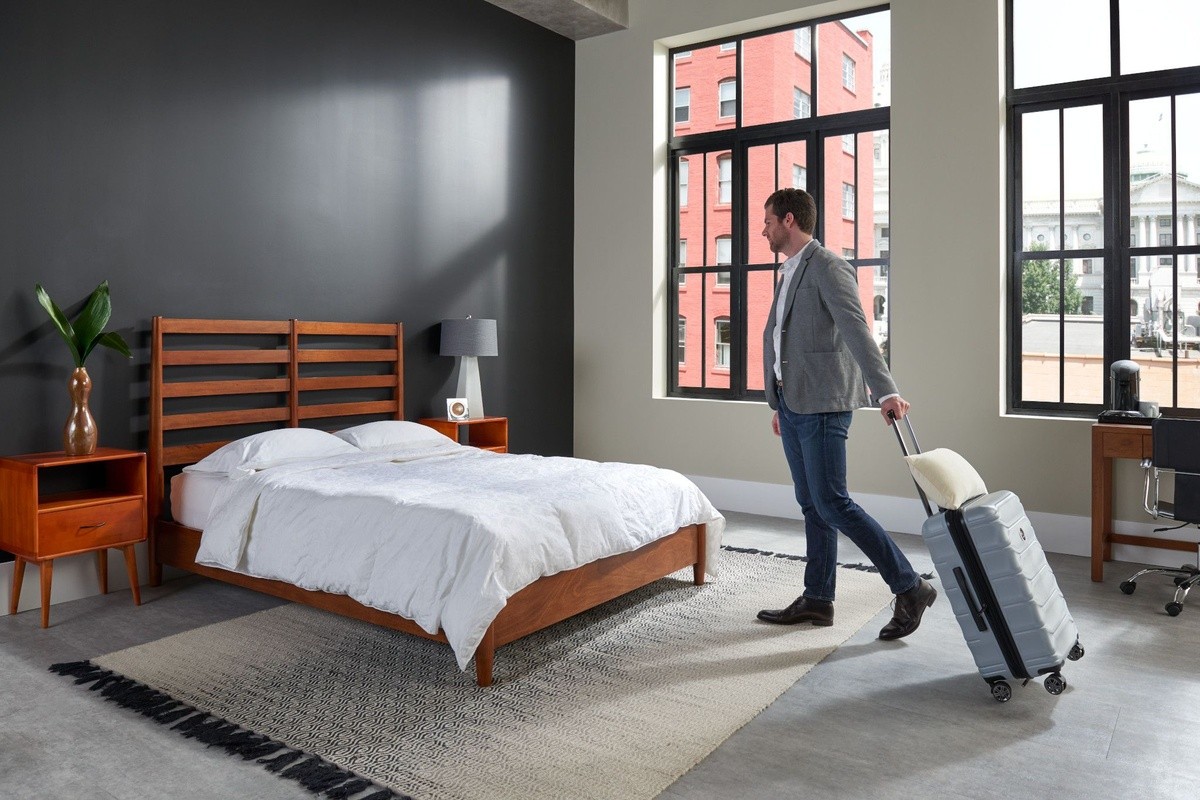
(916, 446)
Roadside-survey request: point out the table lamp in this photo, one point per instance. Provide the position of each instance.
(468, 339)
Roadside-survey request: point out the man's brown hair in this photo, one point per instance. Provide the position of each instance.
(798, 203)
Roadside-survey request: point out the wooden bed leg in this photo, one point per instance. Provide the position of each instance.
(701, 555)
(484, 656)
(152, 561)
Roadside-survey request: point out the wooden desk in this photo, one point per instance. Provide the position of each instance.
(1118, 441)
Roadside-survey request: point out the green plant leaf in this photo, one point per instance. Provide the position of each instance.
(113, 340)
(91, 321)
(60, 322)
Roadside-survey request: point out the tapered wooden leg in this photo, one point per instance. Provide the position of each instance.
(102, 568)
(17, 576)
(46, 568)
(131, 569)
(701, 555)
(485, 654)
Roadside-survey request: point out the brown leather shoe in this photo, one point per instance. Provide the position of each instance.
(803, 609)
(909, 608)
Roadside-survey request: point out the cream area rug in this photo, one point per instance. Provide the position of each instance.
(613, 704)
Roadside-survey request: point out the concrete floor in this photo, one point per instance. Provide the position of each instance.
(908, 719)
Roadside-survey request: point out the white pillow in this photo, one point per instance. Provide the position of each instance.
(269, 449)
(391, 434)
(947, 479)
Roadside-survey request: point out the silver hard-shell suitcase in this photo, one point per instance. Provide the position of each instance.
(1003, 592)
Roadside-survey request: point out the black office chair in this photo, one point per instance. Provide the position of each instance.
(1176, 450)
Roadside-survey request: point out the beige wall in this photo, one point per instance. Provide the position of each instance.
(947, 248)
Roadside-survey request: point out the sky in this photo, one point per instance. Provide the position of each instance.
(1067, 40)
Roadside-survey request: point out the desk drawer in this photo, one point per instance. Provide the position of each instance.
(74, 529)
(1127, 445)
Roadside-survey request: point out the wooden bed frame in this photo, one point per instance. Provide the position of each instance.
(292, 344)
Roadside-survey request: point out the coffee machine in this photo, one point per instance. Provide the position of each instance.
(1124, 383)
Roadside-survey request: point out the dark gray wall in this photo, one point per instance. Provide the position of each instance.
(366, 160)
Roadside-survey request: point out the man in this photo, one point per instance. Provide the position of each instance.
(817, 349)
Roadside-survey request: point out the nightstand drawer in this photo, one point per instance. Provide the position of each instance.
(104, 524)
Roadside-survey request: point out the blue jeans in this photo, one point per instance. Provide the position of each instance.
(815, 447)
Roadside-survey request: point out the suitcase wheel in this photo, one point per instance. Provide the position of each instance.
(1001, 691)
(1128, 586)
(1076, 652)
(1055, 683)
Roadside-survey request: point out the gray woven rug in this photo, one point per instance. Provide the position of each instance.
(615, 703)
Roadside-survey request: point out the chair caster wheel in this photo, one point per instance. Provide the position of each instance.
(1128, 587)
(1174, 608)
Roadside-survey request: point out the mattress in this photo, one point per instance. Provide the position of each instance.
(192, 495)
(442, 538)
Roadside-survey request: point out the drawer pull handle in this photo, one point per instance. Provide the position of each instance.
(93, 526)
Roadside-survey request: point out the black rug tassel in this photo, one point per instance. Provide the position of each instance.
(314, 774)
(317, 775)
(386, 795)
(349, 788)
(279, 762)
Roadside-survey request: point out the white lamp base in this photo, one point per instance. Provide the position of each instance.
(468, 385)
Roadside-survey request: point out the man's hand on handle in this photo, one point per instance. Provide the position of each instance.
(894, 407)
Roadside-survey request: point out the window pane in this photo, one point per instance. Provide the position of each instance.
(718, 212)
(1149, 187)
(716, 306)
(857, 45)
(877, 316)
(837, 230)
(1043, 50)
(1158, 34)
(1083, 169)
(702, 74)
(1041, 337)
(760, 292)
(1084, 375)
(772, 73)
(1039, 180)
(688, 370)
(876, 238)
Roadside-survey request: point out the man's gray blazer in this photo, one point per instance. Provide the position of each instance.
(826, 346)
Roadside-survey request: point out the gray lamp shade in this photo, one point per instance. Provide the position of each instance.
(469, 337)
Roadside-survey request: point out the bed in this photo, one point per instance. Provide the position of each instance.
(212, 380)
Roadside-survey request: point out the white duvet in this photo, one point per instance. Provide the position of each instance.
(445, 536)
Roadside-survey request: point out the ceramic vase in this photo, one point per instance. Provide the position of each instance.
(80, 434)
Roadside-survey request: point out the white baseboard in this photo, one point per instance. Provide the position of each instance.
(1058, 533)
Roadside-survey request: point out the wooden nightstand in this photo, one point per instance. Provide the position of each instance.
(44, 514)
(486, 433)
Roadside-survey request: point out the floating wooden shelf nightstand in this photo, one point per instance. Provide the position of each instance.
(486, 433)
(41, 521)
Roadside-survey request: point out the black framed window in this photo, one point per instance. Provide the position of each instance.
(764, 123)
(1104, 201)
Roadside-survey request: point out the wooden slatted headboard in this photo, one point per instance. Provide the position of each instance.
(200, 343)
